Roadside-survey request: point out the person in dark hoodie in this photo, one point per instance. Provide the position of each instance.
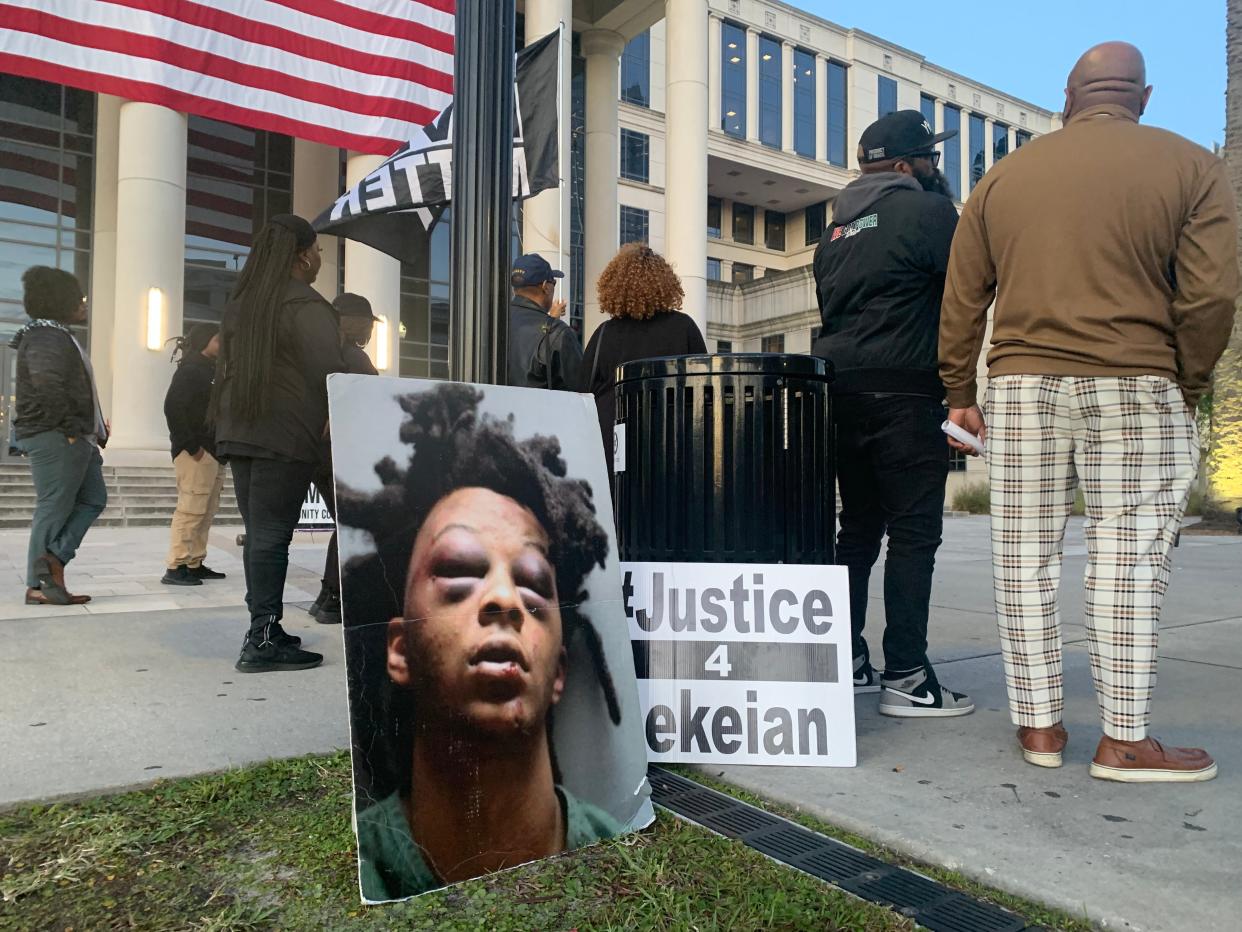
(879, 272)
(279, 342)
(356, 323)
(200, 477)
(58, 424)
(543, 351)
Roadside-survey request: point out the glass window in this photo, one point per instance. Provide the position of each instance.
(634, 225)
(424, 330)
(635, 160)
(47, 175)
(577, 187)
(770, 92)
(724, 346)
(713, 269)
(236, 177)
(713, 217)
(838, 110)
(977, 146)
(1000, 141)
(888, 95)
(816, 222)
(928, 106)
(1021, 138)
(804, 102)
(636, 70)
(733, 79)
(774, 343)
(952, 163)
(743, 223)
(774, 230)
(743, 272)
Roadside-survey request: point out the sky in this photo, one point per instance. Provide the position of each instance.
(1027, 49)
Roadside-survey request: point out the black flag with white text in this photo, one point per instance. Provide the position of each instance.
(393, 208)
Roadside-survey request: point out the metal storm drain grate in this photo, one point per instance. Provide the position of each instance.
(927, 902)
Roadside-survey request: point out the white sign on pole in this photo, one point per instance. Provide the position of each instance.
(742, 663)
(314, 513)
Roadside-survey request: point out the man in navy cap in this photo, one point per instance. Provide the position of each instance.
(543, 351)
(879, 273)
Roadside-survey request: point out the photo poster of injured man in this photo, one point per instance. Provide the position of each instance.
(493, 709)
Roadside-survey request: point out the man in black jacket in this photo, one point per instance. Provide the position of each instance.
(57, 423)
(543, 351)
(356, 322)
(879, 272)
(200, 476)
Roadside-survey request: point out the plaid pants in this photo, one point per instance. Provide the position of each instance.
(1133, 445)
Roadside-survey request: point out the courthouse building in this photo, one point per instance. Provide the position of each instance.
(718, 131)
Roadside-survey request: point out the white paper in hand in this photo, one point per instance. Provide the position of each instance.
(963, 435)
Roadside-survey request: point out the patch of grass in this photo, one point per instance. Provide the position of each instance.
(271, 847)
(973, 498)
(1035, 913)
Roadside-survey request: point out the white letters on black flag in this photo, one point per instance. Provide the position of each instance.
(741, 663)
(394, 207)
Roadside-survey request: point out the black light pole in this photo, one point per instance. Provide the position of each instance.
(482, 198)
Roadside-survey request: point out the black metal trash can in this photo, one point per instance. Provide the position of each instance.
(728, 459)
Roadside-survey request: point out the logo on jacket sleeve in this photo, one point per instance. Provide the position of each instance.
(852, 229)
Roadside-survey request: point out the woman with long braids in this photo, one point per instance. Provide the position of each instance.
(200, 477)
(279, 343)
(483, 546)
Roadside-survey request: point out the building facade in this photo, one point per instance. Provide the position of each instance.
(718, 131)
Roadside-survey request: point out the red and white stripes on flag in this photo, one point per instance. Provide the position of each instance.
(360, 74)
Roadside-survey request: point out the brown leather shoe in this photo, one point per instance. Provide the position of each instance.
(54, 597)
(1148, 761)
(48, 567)
(1043, 746)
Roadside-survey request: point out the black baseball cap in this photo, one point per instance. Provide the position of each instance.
(348, 304)
(532, 269)
(900, 133)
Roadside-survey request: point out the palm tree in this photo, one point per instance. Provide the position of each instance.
(1225, 458)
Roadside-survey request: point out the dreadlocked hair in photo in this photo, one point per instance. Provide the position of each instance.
(250, 356)
(454, 447)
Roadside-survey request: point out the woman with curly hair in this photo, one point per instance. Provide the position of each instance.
(641, 294)
(483, 546)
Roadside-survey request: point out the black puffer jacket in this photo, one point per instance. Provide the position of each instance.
(54, 389)
(308, 350)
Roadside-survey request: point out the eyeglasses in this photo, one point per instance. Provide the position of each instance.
(933, 156)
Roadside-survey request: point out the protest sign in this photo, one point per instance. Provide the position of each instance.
(493, 710)
(742, 663)
(315, 514)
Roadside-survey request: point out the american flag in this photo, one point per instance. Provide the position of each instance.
(360, 74)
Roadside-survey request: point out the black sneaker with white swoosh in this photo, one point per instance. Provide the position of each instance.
(920, 695)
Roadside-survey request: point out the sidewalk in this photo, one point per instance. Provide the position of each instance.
(140, 685)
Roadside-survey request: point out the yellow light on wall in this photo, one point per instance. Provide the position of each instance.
(155, 319)
(381, 344)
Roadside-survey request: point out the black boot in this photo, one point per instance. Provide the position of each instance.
(324, 592)
(181, 576)
(330, 610)
(264, 651)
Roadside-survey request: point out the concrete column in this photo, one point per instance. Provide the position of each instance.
(752, 85)
(987, 144)
(316, 184)
(787, 96)
(545, 217)
(102, 286)
(686, 174)
(821, 109)
(714, 28)
(602, 50)
(1011, 139)
(150, 254)
(377, 277)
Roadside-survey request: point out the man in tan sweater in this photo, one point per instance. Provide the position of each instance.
(1110, 251)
